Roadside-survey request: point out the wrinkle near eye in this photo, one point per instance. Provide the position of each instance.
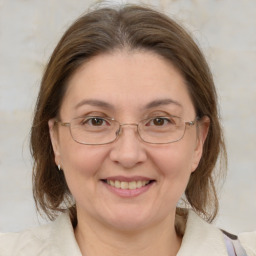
(163, 113)
(94, 114)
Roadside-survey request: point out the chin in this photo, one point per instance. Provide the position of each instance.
(130, 220)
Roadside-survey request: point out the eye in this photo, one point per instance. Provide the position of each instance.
(161, 121)
(95, 121)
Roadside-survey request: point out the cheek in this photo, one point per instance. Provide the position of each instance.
(174, 160)
(174, 168)
(81, 164)
(174, 163)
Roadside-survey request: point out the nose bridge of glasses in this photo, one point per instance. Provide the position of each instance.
(119, 131)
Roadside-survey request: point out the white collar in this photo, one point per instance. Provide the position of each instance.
(62, 238)
(200, 238)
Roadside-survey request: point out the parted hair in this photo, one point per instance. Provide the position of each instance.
(132, 27)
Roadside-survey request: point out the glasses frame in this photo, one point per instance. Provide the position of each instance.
(119, 131)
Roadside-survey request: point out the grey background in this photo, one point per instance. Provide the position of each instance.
(224, 29)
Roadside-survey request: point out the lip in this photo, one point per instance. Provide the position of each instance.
(128, 193)
(127, 179)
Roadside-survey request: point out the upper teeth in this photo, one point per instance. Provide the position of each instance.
(127, 185)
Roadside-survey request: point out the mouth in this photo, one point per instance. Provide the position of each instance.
(131, 185)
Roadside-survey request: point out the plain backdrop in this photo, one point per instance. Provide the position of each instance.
(224, 29)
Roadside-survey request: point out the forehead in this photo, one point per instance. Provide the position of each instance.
(126, 80)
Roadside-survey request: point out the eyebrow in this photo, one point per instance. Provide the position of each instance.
(103, 104)
(95, 103)
(161, 102)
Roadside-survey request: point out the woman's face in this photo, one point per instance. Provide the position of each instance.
(127, 86)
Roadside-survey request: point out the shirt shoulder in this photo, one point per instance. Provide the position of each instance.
(201, 238)
(56, 238)
(248, 241)
(28, 242)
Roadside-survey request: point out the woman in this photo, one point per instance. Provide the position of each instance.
(126, 129)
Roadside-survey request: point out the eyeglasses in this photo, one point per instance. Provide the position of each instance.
(96, 130)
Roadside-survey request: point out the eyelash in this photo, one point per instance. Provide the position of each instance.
(95, 114)
(156, 114)
(89, 120)
(152, 115)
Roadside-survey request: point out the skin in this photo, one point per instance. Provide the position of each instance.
(109, 224)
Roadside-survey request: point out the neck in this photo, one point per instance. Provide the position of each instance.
(97, 239)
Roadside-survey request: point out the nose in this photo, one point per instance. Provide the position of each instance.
(128, 150)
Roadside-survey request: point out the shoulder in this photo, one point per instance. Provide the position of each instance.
(11, 243)
(202, 238)
(51, 239)
(205, 239)
(248, 241)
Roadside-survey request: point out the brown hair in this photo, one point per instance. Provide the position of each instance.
(135, 28)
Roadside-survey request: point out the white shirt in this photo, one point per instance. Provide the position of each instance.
(57, 239)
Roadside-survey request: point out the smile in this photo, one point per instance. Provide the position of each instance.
(128, 185)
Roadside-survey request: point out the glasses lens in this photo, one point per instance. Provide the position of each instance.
(160, 130)
(93, 130)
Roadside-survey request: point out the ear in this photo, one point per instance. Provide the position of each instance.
(54, 140)
(202, 131)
